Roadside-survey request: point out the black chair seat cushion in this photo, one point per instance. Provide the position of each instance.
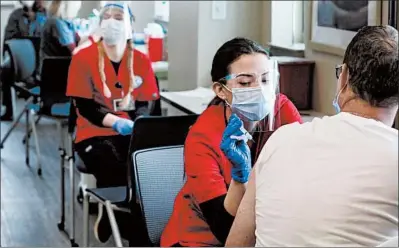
(116, 195)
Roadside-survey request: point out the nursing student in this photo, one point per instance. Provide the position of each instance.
(111, 84)
(23, 22)
(59, 37)
(247, 106)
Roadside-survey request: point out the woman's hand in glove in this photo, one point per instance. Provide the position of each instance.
(237, 151)
(123, 126)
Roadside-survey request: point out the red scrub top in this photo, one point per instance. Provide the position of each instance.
(208, 175)
(84, 81)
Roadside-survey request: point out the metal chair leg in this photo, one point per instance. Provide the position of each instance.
(28, 134)
(37, 147)
(15, 123)
(61, 224)
(13, 101)
(114, 225)
(86, 199)
(72, 190)
(27, 125)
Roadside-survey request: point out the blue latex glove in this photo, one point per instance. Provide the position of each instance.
(237, 151)
(123, 126)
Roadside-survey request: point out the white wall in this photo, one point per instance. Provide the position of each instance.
(183, 45)
(194, 37)
(144, 11)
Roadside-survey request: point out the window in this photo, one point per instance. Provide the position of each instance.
(298, 21)
(287, 23)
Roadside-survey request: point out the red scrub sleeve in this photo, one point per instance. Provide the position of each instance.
(289, 113)
(148, 91)
(204, 179)
(79, 84)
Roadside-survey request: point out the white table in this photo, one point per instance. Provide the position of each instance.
(197, 100)
(190, 101)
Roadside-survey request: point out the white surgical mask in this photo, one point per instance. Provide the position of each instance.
(113, 31)
(253, 104)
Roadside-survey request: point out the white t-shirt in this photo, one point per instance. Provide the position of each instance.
(329, 182)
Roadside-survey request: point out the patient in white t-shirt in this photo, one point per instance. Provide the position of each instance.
(333, 181)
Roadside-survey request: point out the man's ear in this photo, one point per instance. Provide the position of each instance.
(219, 90)
(344, 77)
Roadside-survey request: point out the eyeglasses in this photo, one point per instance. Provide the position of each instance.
(338, 70)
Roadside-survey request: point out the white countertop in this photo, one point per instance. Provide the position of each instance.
(194, 100)
(197, 101)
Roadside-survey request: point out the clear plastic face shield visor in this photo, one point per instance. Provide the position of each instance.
(254, 98)
(116, 21)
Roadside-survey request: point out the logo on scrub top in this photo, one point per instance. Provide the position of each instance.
(138, 81)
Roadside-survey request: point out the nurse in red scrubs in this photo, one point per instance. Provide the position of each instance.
(246, 108)
(111, 84)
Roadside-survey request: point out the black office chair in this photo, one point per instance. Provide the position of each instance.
(54, 104)
(159, 176)
(149, 132)
(20, 65)
(36, 44)
(157, 111)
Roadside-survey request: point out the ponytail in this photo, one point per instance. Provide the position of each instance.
(130, 62)
(106, 91)
(215, 101)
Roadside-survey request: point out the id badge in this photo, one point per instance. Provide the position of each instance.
(117, 104)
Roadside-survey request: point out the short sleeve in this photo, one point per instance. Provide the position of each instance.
(204, 178)
(148, 91)
(289, 113)
(63, 33)
(79, 82)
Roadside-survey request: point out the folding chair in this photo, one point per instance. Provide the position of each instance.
(149, 132)
(159, 174)
(20, 65)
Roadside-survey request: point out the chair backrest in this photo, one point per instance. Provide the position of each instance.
(157, 131)
(23, 56)
(159, 176)
(36, 44)
(54, 80)
(392, 242)
(157, 111)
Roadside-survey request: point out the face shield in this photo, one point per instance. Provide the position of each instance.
(116, 22)
(254, 98)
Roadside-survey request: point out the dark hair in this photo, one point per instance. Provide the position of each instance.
(372, 61)
(228, 53)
